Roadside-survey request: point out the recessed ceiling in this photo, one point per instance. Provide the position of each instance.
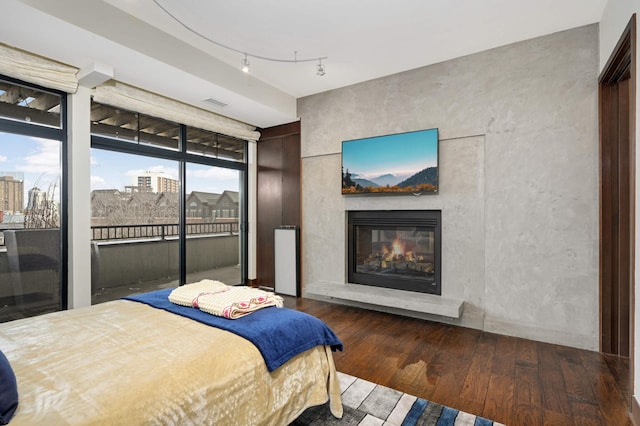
(362, 40)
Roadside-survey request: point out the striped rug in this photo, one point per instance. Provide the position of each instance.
(368, 404)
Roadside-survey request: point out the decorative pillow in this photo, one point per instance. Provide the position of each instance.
(8, 390)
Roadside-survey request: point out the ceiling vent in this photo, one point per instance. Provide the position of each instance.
(216, 102)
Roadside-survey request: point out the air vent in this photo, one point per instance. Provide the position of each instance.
(216, 102)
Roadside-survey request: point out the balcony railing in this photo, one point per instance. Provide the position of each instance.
(135, 265)
(159, 230)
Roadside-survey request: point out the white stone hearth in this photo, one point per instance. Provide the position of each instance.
(411, 301)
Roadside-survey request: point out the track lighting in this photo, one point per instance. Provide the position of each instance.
(320, 71)
(245, 64)
(319, 68)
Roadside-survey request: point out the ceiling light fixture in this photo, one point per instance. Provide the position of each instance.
(245, 64)
(320, 71)
(319, 68)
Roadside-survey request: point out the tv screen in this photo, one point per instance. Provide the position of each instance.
(403, 163)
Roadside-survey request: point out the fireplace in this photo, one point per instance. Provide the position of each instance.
(398, 249)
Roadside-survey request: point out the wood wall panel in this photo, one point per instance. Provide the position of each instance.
(278, 192)
(291, 180)
(269, 209)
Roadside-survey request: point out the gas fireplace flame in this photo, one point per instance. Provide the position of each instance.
(397, 251)
(398, 247)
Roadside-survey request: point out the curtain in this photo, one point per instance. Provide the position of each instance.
(35, 69)
(133, 99)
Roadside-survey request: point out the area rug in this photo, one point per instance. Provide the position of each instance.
(368, 404)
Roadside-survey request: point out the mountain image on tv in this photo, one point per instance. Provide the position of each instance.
(427, 176)
(399, 163)
(365, 182)
(424, 180)
(389, 179)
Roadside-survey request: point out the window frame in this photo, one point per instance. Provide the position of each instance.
(52, 133)
(183, 158)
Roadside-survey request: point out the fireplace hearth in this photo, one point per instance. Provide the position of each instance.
(399, 249)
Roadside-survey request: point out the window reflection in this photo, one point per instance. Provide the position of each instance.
(30, 247)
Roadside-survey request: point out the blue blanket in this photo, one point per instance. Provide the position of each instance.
(278, 333)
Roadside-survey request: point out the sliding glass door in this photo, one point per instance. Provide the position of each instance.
(213, 224)
(167, 204)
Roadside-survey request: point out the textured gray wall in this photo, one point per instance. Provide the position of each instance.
(518, 180)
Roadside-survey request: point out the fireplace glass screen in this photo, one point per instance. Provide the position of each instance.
(395, 252)
(402, 255)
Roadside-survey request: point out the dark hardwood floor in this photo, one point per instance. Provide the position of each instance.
(510, 380)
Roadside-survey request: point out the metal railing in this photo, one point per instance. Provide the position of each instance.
(159, 230)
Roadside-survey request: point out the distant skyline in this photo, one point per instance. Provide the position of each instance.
(402, 154)
(114, 170)
(38, 160)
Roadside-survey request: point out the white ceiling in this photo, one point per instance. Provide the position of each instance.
(362, 40)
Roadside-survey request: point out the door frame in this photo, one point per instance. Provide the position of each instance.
(617, 129)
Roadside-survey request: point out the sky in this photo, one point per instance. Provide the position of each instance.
(111, 170)
(398, 154)
(39, 162)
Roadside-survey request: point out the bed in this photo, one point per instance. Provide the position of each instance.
(126, 362)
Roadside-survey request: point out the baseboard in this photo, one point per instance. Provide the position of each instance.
(635, 411)
(252, 282)
(539, 334)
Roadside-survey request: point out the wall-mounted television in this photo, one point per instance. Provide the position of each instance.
(403, 163)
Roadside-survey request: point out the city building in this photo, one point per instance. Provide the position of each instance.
(202, 204)
(11, 194)
(156, 182)
(36, 199)
(227, 205)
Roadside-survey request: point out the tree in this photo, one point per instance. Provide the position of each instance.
(43, 211)
(347, 182)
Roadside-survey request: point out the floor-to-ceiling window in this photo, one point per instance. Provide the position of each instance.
(32, 194)
(158, 190)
